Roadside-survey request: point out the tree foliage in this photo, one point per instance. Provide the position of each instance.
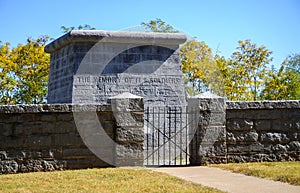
(159, 25)
(199, 67)
(247, 68)
(80, 27)
(283, 84)
(198, 63)
(24, 72)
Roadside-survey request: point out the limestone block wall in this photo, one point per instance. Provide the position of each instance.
(263, 131)
(89, 66)
(47, 138)
(67, 136)
(208, 143)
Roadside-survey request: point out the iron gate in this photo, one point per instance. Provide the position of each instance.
(168, 132)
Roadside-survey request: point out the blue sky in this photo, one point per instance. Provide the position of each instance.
(220, 23)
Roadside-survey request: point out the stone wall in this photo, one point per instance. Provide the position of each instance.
(64, 136)
(263, 131)
(47, 137)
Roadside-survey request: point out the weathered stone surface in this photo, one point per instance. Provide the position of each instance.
(269, 137)
(295, 136)
(279, 148)
(212, 135)
(294, 146)
(242, 137)
(263, 157)
(39, 165)
(255, 148)
(83, 163)
(63, 127)
(12, 142)
(27, 111)
(3, 155)
(8, 167)
(282, 125)
(216, 104)
(6, 129)
(76, 153)
(212, 149)
(262, 124)
(212, 119)
(127, 134)
(129, 154)
(239, 124)
(236, 114)
(297, 125)
(264, 105)
(72, 140)
(39, 141)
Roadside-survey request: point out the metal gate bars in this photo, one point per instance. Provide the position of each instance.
(168, 132)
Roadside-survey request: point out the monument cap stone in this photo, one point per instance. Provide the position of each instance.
(115, 36)
(207, 94)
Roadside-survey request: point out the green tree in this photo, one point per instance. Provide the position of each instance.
(159, 25)
(199, 67)
(283, 84)
(24, 72)
(80, 27)
(224, 76)
(248, 66)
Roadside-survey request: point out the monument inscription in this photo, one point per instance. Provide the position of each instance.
(157, 89)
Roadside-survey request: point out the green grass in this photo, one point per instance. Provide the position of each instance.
(98, 180)
(288, 172)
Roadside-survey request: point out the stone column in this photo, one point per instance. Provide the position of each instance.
(128, 110)
(208, 143)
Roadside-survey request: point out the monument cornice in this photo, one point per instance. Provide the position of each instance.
(147, 38)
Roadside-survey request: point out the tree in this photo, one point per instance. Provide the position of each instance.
(80, 27)
(198, 64)
(200, 68)
(159, 26)
(224, 77)
(24, 72)
(247, 67)
(283, 84)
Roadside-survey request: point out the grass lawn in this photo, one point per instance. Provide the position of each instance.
(288, 172)
(98, 180)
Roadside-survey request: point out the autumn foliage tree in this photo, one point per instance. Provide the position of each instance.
(199, 67)
(283, 84)
(247, 68)
(24, 72)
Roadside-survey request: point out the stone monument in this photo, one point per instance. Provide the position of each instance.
(93, 66)
(90, 66)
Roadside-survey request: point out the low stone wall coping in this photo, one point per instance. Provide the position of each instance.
(38, 108)
(263, 105)
(115, 36)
